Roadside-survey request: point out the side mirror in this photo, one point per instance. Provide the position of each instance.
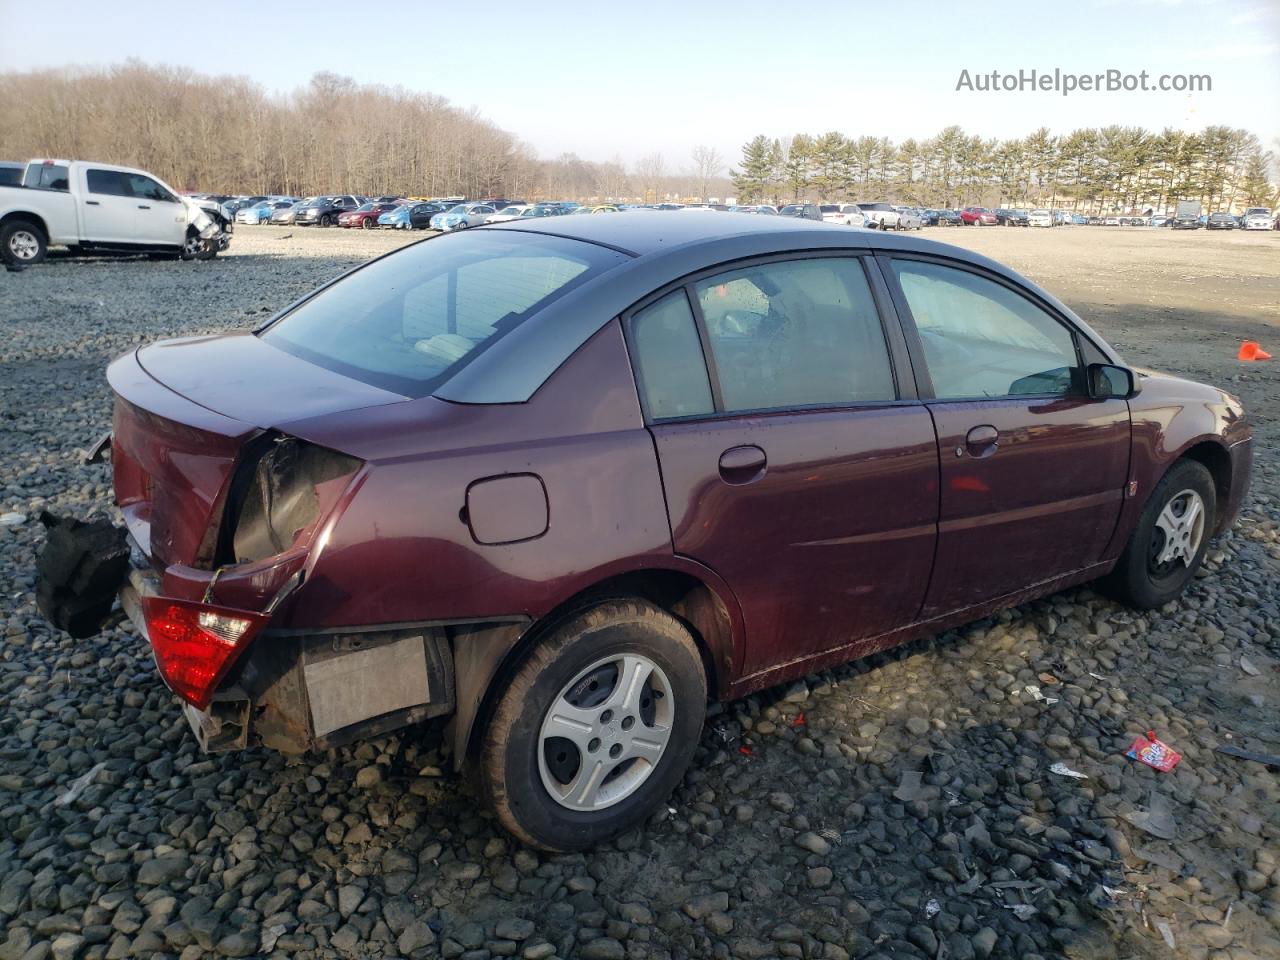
(1110, 382)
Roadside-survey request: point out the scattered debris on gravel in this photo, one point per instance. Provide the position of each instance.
(967, 796)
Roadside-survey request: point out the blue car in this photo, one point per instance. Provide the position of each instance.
(261, 211)
(410, 216)
(462, 216)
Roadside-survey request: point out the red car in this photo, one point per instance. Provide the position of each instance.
(978, 216)
(561, 481)
(366, 215)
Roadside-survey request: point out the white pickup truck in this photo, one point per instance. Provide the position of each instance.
(97, 207)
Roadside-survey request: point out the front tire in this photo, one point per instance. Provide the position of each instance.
(596, 727)
(1168, 545)
(22, 243)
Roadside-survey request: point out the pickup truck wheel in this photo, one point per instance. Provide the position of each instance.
(596, 727)
(197, 248)
(1170, 540)
(22, 243)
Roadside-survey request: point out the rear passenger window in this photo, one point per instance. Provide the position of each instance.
(982, 339)
(796, 333)
(668, 356)
(108, 183)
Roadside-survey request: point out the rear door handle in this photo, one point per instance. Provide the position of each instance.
(743, 464)
(981, 442)
(143, 206)
(91, 203)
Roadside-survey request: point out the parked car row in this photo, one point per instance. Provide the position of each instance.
(454, 213)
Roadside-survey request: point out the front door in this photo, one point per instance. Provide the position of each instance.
(161, 217)
(790, 465)
(1032, 469)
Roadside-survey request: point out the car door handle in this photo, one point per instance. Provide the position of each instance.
(91, 203)
(981, 442)
(742, 464)
(143, 206)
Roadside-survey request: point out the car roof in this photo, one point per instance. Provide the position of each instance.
(662, 248)
(643, 232)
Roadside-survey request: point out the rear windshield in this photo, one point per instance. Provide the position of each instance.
(409, 321)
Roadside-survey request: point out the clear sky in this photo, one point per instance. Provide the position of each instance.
(603, 78)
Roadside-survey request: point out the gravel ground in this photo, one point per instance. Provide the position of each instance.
(899, 807)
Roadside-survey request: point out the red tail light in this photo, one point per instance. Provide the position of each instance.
(195, 644)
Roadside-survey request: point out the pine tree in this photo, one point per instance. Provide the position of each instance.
(754, 181)
(797, 169)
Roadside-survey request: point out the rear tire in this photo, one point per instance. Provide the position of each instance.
(630, 749)
(1149, 573)
(22, 243)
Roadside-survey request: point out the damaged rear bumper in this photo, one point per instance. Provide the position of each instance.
(290, 690)
(296, 690)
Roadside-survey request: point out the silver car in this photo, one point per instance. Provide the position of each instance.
(909, 219)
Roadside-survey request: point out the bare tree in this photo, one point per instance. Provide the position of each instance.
(707, 164)
(648, 172)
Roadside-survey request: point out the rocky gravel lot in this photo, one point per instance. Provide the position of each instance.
(905, 806)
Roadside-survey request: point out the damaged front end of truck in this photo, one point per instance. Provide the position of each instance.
(222, 523)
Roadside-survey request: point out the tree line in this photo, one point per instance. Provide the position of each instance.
(1106, 169)
(226, 134)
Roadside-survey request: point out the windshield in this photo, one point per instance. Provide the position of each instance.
(366, 207)
(458, 208)
(408, 321)
(791, 208)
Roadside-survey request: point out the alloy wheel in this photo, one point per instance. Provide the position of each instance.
(1178, 533)
(24, 245)
(605, 732)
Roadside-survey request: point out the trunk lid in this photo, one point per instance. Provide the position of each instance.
(245, 378)
(185, 410)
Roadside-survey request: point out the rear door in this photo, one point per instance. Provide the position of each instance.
(110, 213)
(1032, 469)
(796, 461)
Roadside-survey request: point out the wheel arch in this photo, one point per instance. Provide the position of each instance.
(27, 216)
(1212, 454)
(487, 655)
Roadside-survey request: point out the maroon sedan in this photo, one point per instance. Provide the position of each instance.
(561, 481)
(366, 215)
(978, 217)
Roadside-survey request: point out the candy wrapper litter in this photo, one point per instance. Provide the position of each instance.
(1154, 753)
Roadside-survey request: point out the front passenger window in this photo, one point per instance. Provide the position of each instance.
(982, 339)
(144, 188)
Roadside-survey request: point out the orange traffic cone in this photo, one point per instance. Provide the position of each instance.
(1249, 350)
